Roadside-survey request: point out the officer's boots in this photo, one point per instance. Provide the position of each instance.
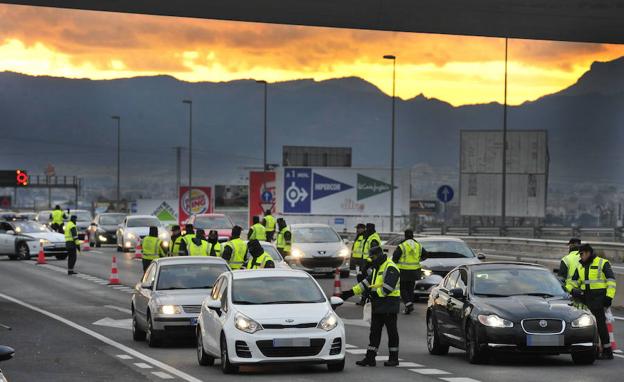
(369, 360)
(393, 359)
(607, 353)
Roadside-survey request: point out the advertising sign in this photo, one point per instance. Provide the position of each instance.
(261, 193)
(199, 203)
(165, 210)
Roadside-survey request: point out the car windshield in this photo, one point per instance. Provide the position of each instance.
(143, 222)
(515, 282)
(276, 290)
(43, 216)
(212, 222)
(82, 216)
(315, 235)
(29, 227)
(446, 249)
(189, 276)
(111, 219)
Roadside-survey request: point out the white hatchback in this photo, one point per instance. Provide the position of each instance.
(269, 316)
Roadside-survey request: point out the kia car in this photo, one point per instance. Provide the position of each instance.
(318, 249)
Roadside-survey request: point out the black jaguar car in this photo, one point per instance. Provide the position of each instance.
(518, 307)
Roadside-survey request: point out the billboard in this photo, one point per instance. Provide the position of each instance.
(341, 191)
(231, 196)
(262, 194)
(200, 202)
(481, 177)
(166, 210)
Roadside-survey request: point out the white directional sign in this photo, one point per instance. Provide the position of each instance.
(125, 323)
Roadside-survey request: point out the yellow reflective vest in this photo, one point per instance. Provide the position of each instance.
(572, 260)
(175, 246)
(57, 217)
(239, 252)
(258, 232)
(281, 240)
(410, 255)
(270, 223)
(379, 282)
(260, 261)
(358, 248)
(217, 249)
(198, 250)
(367, 244)
(596, 279)
(68, 233)
(152, 248)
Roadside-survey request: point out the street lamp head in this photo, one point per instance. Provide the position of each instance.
(261, 82)
(389, 57)
(116, 117)
(188, 101)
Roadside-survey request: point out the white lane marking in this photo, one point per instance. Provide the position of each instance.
(429, 371)
(459, 379)
(618, 351)
(384, 358)
(125, 323)
(347, 346)
(619, 356)
(356, 351)
(618, 318)
(409, 364)
(123, 356)
(162, 375)
(142, 365)
(106, 340)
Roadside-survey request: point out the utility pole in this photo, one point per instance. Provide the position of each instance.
(178, 169)
(504, 193)
(393, 58)
(190, 160)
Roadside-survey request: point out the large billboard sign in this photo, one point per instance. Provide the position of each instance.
(262, 195)
(341, 191)
(165, 210)
(199, 203)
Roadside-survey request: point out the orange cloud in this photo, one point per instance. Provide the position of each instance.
(457, 69)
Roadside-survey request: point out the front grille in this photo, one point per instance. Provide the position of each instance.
(242, 349)
(191, 308)
(548, 326)
(298, 326)
(336, 347)
(266, 347)
(183, 331)
(321, 262)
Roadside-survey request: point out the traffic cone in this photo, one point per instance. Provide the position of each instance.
(41, 256)
(86, 245)
(114, 277)
(137, 252)
(337, 283)
(611, 336)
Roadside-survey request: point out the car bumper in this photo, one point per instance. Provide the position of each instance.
(105, 237)
(182, 324)
(319, 265)
(55, 249)
(423, 286)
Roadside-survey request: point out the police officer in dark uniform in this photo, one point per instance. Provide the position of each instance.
(72, 243)
(189, 235)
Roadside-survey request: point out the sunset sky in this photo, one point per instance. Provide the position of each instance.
(459, 70)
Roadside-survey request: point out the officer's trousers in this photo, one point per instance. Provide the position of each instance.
(71, 255)
(146, 264)
(601, 323)
(407, 291)
(378, 321)
(269, 235)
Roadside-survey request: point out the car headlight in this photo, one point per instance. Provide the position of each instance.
(102, 238)
(329, 322)
(426, 273)
(494, 321)
(43, 241)
(344, 252)
(582, 322)
(131, 236)
(169, 309)
(162, 236)
(246, 324)
(165, 244)
(296, 253)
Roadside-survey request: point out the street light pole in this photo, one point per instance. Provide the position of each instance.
(190, 169)
(393, 58)
(118, 119)
(264, 160)
(504, 192)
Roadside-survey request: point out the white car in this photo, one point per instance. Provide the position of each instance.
(269, 316)
(168, 299)
(270, 248)
(15, 244)
(135, 227)
(317, 248)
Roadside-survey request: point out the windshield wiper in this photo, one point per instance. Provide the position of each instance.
(538, 294)
(289, 302)
(201, 287)
(172, 288)
(491, 295)
(244, 302)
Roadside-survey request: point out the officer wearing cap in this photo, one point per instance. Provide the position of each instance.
(189, 235)
(71, 243)
(407, 256)
(357, 254)
(569, 262)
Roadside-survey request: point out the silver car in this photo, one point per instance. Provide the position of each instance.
(317, 248)
(168, 299)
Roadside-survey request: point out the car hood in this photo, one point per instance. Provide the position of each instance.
(181, 297)
(447, 263)
(516, 308)
(140, 231)
(53, 237)
(278, 314)
(109, 228)
(313, 249)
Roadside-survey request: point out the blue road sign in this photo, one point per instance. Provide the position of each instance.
(445, 194)
(324, 186)
(297, 190)
(339, 221)
(266, 197)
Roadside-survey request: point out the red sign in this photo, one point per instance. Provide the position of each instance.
(5, 201)
(200, 203)
(261, 193)
(21, 178)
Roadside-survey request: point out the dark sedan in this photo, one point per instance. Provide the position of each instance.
(517, 307)
(103, 229)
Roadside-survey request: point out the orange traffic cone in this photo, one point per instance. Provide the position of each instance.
(87, 242)
(41, 256)
(137, 252)
(337, 283)
(114, 277)
(611, 336)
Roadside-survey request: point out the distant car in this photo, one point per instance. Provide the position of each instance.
(513, 307)
(22, 239)
(317, 248)
(103, 229)
(269, 316)
(443, 254)
(219, 222)
(134, 228)
(168, 299)
(83, 221)
(32, 216)
(43, 217)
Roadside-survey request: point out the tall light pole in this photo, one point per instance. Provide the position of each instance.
(118, 119)
(504, 192)
(393, 58)
(190, 165)
(264, 160)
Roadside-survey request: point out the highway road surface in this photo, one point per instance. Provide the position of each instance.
(78, 329)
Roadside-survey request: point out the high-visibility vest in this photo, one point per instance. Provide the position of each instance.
(367, 244)
(57, 217)
(68, 233)
(188, 238)
(198, 250)
(270, 223)
(217, 248)
(410, 255)
(357, 248)
(258, 232)
(260, 261)
(152, 248)
(378, 282)
(281, 240)
(596, 278)
(239, 252)
(572, 260)
(175, 246)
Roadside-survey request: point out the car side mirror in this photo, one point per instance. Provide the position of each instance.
(457, 293)
(146, 285)
(481, 256)
(10, 232)
(335, 302)
(213, 304)
(6, 353)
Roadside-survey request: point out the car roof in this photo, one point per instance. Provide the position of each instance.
(189, 260)
(504, 265)
(141, 216)
(111, 213)
(309, 225)
(439, 238)
(272, 272)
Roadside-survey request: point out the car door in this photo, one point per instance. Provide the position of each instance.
(143, 295)
(442, 305)
(210, 318)
(7, 240)
(120, 238)
(456, 308)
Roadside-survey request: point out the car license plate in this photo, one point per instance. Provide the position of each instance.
(550, 340)
(291, 342)
(324, 270)
(194, 321)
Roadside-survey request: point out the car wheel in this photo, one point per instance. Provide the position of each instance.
(474, 353)
(23, 252)
(98, 244)
(202, 357)
(345, 274)
(119, 249)
(138, 334)
(61, 257)
(336, 367)
(434, 345)
(226, 366)
(584, 357)
(13, 257)
(152, 338)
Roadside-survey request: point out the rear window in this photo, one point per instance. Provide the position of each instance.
(446, 249)
(189, 276)
(212, 222)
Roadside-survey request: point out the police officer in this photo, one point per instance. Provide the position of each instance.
(235, 250)
(257, 230)
(383, 288)
(152, 247)
(259, 258)
(370, 240)
(189, 234)
(71, 243)
(593, 284)
(284, 238)
(269, 225)
(57, 217)
(176, 237)
(214, 247)
(198, 245)
(570, 262)
(357, 254)
(407, 258)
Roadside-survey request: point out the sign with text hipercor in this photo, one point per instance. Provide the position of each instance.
(341, 191)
